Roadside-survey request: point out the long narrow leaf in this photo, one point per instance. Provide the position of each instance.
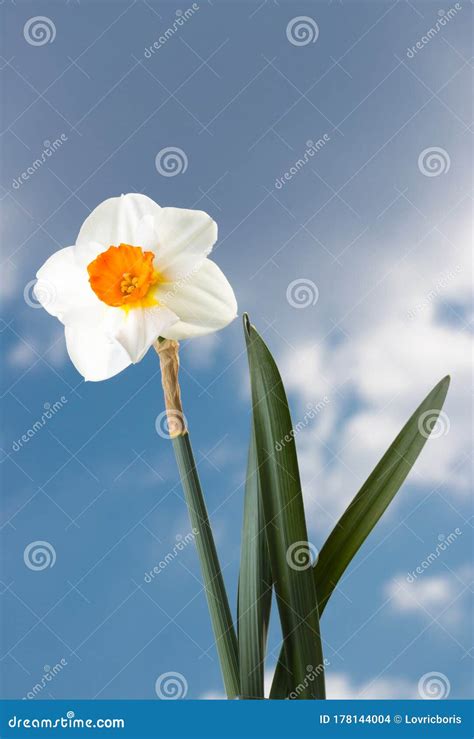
(255, 586)
(371, 501)
(285, 523)
(376, 493)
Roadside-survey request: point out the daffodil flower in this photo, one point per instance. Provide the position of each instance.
(138, 275)
(136, 272)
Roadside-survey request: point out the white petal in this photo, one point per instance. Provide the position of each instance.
(63, 290)
(184, 239)
(116, 221)
(139, 328)
(204, 302)
(146, 237)
(93, 354)
(86, 253)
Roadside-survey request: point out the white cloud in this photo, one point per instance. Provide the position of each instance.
(11, 280)
(219, 695)
(21, 355)
(213, 695)
(422, 595)
(29, 350)
(441, 597)
(340, 686)
(375, 378)
(201, 352)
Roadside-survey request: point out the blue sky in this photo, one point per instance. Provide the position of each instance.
(375, 224)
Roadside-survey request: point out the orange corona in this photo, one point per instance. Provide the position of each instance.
(124, 277)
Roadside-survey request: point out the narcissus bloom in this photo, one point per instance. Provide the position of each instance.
(135, 273)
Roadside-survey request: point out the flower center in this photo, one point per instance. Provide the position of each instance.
(123, 276)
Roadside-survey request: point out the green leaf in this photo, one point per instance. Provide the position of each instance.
(371, 501)
(226, 640)
(282, 679)
(376, 493)
(255, 586)
(285, 524)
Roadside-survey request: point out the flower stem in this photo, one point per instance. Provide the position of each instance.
(217, 600)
